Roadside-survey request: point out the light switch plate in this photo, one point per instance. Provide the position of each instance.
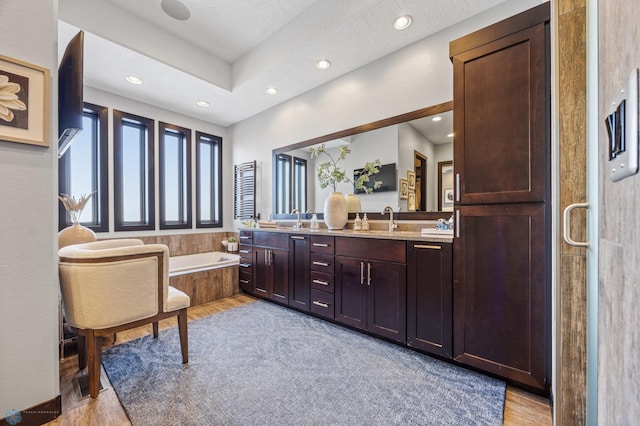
(625, 163)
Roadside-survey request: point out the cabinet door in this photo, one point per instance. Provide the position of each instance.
(350, 291)
(500, 309)
(299, 284)
(279, 275)
(386, 290)
(260, 272)
(429, 297)
(501, 113)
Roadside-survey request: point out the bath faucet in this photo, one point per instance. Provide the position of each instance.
(392, 224)
(299, 222)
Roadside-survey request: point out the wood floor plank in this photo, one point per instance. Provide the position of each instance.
(521, 408)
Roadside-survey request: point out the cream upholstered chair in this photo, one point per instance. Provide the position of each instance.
(110, 286)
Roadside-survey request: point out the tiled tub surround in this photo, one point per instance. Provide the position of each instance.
(205, 286)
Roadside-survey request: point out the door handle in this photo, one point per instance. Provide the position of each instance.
(567, 224)
(361, 273)
(368, 273)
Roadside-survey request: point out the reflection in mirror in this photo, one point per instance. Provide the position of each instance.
(415, 143)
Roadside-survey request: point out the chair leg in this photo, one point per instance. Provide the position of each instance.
(81, 341)
(94, 355)
(155, 329)
(182, 330)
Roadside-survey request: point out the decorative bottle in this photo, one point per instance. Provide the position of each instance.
(357, 223)
(365, 223)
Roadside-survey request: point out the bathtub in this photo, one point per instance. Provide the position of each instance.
(192, 263)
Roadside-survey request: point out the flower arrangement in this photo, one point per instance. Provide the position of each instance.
(330, 174)
(75, 207)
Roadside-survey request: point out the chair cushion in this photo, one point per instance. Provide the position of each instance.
(176, 300)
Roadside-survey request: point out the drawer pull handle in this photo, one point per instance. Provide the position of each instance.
(324, 305)
(421, 246)
(244, 281)
(320, 263)
(321, 282)
(320, 245)
(297, 237)
(245, 265)
(245, 237)
(245, 251)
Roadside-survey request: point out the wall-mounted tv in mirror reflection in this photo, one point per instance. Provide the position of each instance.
(70, 93)
(387, 175)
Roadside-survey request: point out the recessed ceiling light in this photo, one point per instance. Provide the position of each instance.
(133, 79)
(203, 104)
(175, 9)
(323, 64)
(272, 90)
(450, 135)
(436, 118)
(402, 22)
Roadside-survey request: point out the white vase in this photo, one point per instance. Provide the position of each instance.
(353, 203)
(335, 211)
(75, 234)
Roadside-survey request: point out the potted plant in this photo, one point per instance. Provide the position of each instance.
(330, 174)
(75, 233)
(232, 244)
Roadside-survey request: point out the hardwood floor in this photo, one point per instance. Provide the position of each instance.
(521, 408)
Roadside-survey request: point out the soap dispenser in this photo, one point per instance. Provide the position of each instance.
(314, 222)
(365, 223)
(357, 223)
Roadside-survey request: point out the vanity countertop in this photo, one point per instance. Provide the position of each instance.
(386, 235)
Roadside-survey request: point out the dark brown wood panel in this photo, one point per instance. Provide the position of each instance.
(322, 281)
(271, 239)
(322, 244)
(387, 299)
(500, 316)
(429, 298)
(373, 249)
(350, 292)
(322, 303)
(299, 284)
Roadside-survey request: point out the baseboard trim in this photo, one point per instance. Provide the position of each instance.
(36, 415)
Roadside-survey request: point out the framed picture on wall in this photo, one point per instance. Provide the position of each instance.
(404, 188)
(411, 201)
(447, 200)
(24, 102)
(411, 178)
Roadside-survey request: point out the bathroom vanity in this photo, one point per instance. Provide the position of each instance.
(394, 285)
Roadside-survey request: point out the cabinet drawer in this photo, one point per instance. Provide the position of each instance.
(246, 264)
(322, 263)
(374, 249)
(322, 303)
(246, 253)
(322, 244)
(245, 279)
(322, 281)
(246, 237)
(271, 239)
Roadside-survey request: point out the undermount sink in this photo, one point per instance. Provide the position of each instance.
(437, 232)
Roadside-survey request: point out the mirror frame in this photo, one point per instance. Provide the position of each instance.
(412, 115)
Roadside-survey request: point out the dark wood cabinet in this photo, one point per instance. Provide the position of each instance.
(322, 276)
(370, 291)
(500, 293)
(300, 275)
(502, 111)
(502, 165)
(271, 266)
(245, 275)
(429, 297)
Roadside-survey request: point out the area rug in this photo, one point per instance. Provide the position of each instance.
(262, 364)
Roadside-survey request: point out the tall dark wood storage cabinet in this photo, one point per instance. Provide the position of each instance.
(502, 201)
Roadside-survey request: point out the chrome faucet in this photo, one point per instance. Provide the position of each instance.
(299, 222)
(392, 224)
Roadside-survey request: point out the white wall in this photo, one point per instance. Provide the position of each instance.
(116, 102)
(417, 76)
(28, 223)
(411, 140)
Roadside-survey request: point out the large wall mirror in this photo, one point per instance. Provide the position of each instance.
(417, 146)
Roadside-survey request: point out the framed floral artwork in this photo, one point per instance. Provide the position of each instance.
(404, 189)
(24, 102)
(411, 178)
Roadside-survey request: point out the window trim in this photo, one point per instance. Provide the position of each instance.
(149, 188)
(217, 140)
(102, 173)
(186, 139)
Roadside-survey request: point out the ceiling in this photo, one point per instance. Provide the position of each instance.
(230, 51)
